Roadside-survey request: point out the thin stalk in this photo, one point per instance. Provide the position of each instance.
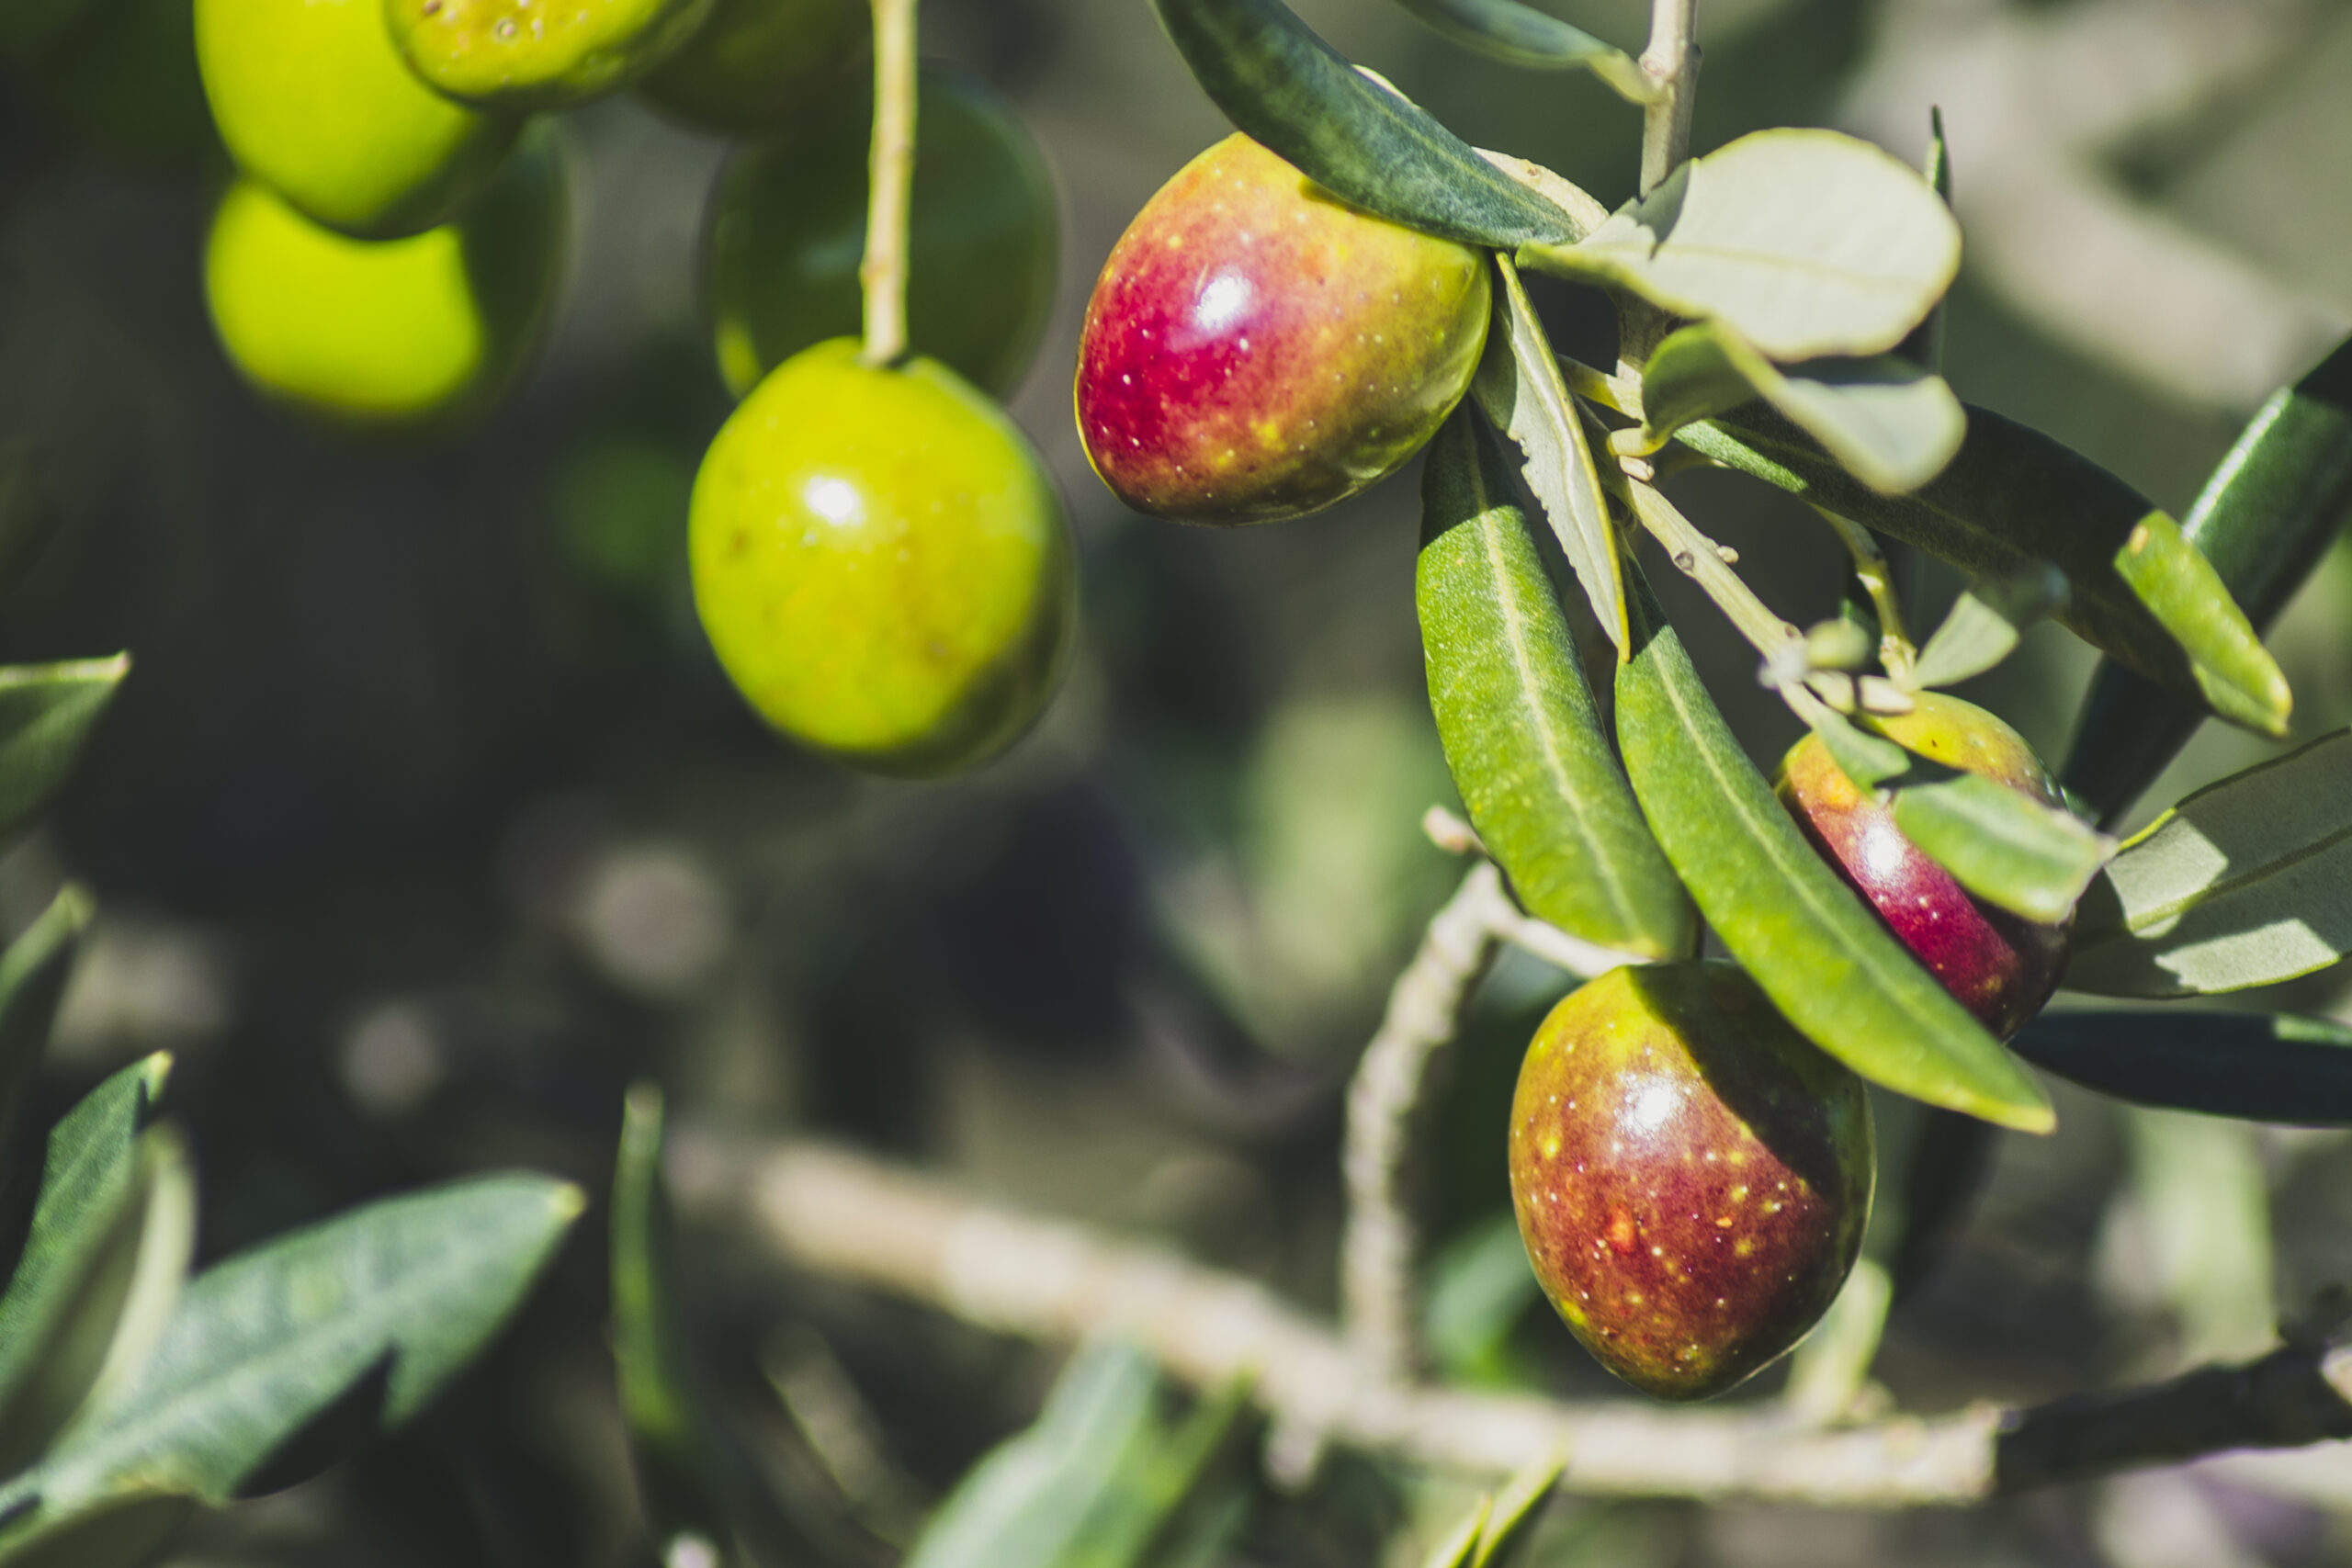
(891, 181)
(1777, 641)
(1894, 648)
(1672, 62)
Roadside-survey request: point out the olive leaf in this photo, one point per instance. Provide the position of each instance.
(1521, 734)
(1293, 93)
(2012, 497)
(2247, 882)
(1522, 35)
(1986, 622)
(2260, 1066)
(2266, 516)
(2002, 845)
(1479, 1286)
(1892, 425)
(46, 714)
(1810, 242)
(33, 973)
(1821, 955)
(1925, 347)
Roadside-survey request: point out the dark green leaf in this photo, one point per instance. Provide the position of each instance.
(1522, 35)
(32, 979)
(46, 715)
(2014, 497)
(1520, 386)
(1479, 1288)
(2260, 1066)
(1293, 93)
(1985, 624)
(407, 1290)
(1951, 1160)
(111, 1234)
(1925, 347)
(2002, 845)
(1810, 242)
(1892, 425)
(1810, 943)
(1521, 733)
(2264, 520)
(2247, 882)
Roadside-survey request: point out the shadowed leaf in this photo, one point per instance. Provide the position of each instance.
(1522, 35)
(33, 973)
(46, 714)
(2261, 1067)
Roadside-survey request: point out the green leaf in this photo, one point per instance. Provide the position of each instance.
(2002, 845)
(1521, 732)
(1986, 622)
(2264, 520)
(1514, 1507)
(1459, 1543)
(1891, 424)
(130, 1534)
(1522, 35)
(33, 973)
(2247, 882)
(1925, 347)
(1810, 943)
(1361, 141)
(1810, 242)
(2259, 1066)
(1868, 760)
(1479, 1287)
(407, 1290)
(1519, 387)
(2014, 497)
(112, 1231)
(46, 714)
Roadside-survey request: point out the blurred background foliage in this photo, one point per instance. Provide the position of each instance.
(426, 822)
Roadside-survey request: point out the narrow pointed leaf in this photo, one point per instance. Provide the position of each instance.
(2002, 845)
(1455, 1548)
(2265, 518)
(1810, 242)
(1520, 386)
(46, 714)
(2260, 1066)
(1293, 93)
(1950, 1161)
(1522, 35)
(1520, 731)
(1811, 944)
(1515, 1507)
(1986, 622)
(1925, 347)
(33, 973)
(1891, 424)
(2247, 882)
(407, 1290)
(1868, 760)
(2014, 497)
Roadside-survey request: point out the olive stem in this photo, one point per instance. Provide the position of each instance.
(1698, 557)
(1894, 649)
(1672, 62)
(883, 274)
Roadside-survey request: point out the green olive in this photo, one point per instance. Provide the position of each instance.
(416, 335)
(313, 101)
(758, 64)
(787, 230)
(537, 54)
(882, 564)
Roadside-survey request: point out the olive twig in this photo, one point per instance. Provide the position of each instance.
(1672, 62)
(1777, 642)
(883, 273)
(1894, 649)
(1538, 939)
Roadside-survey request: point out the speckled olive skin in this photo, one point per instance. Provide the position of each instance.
(881, 563)
(1692, 1177)
(525, 55)
(1257, 349)
(2001, 966)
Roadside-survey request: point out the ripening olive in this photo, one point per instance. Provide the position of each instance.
(881, 563)
(1691, 1176)
(2001, 966)
(537, 54)
(419, 335)
(787, 230)
(313, 101)
(759, 64)
(1257, 349)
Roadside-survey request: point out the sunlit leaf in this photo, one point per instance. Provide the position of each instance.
(1522, 35)
(32, 980)
(2247, 882)
(1515, 1507)
(1521, 733)
(2262, 1067)
(1810, 242)
(1455, 1548)
(2002, 845)
(2265, 518)
(1821, 955)
(46, 714)
(1292, 93)
(1892, 425)
(2014, 497)
(1986, 622)
(1868, 760)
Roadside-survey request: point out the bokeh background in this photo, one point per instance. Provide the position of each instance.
(426, 823)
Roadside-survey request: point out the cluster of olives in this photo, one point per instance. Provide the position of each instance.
(879, 557)
(1691, 1176)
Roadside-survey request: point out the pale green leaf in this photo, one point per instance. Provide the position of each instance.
(1986, 621)
(1520, 386)
(2247, 882)
(1515, 1507)
(2002, 845)
(1454, 1549)
(46, 714)
(1868, 760)
(1833, 1362)
(32, 980)
(1522, 35)
(1809, 241)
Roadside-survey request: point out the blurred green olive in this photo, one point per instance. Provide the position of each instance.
(122, 79)
(881, 563)
(787, 230)
(416, 336)
(518, 55)
(313, 101)
(758, 64)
